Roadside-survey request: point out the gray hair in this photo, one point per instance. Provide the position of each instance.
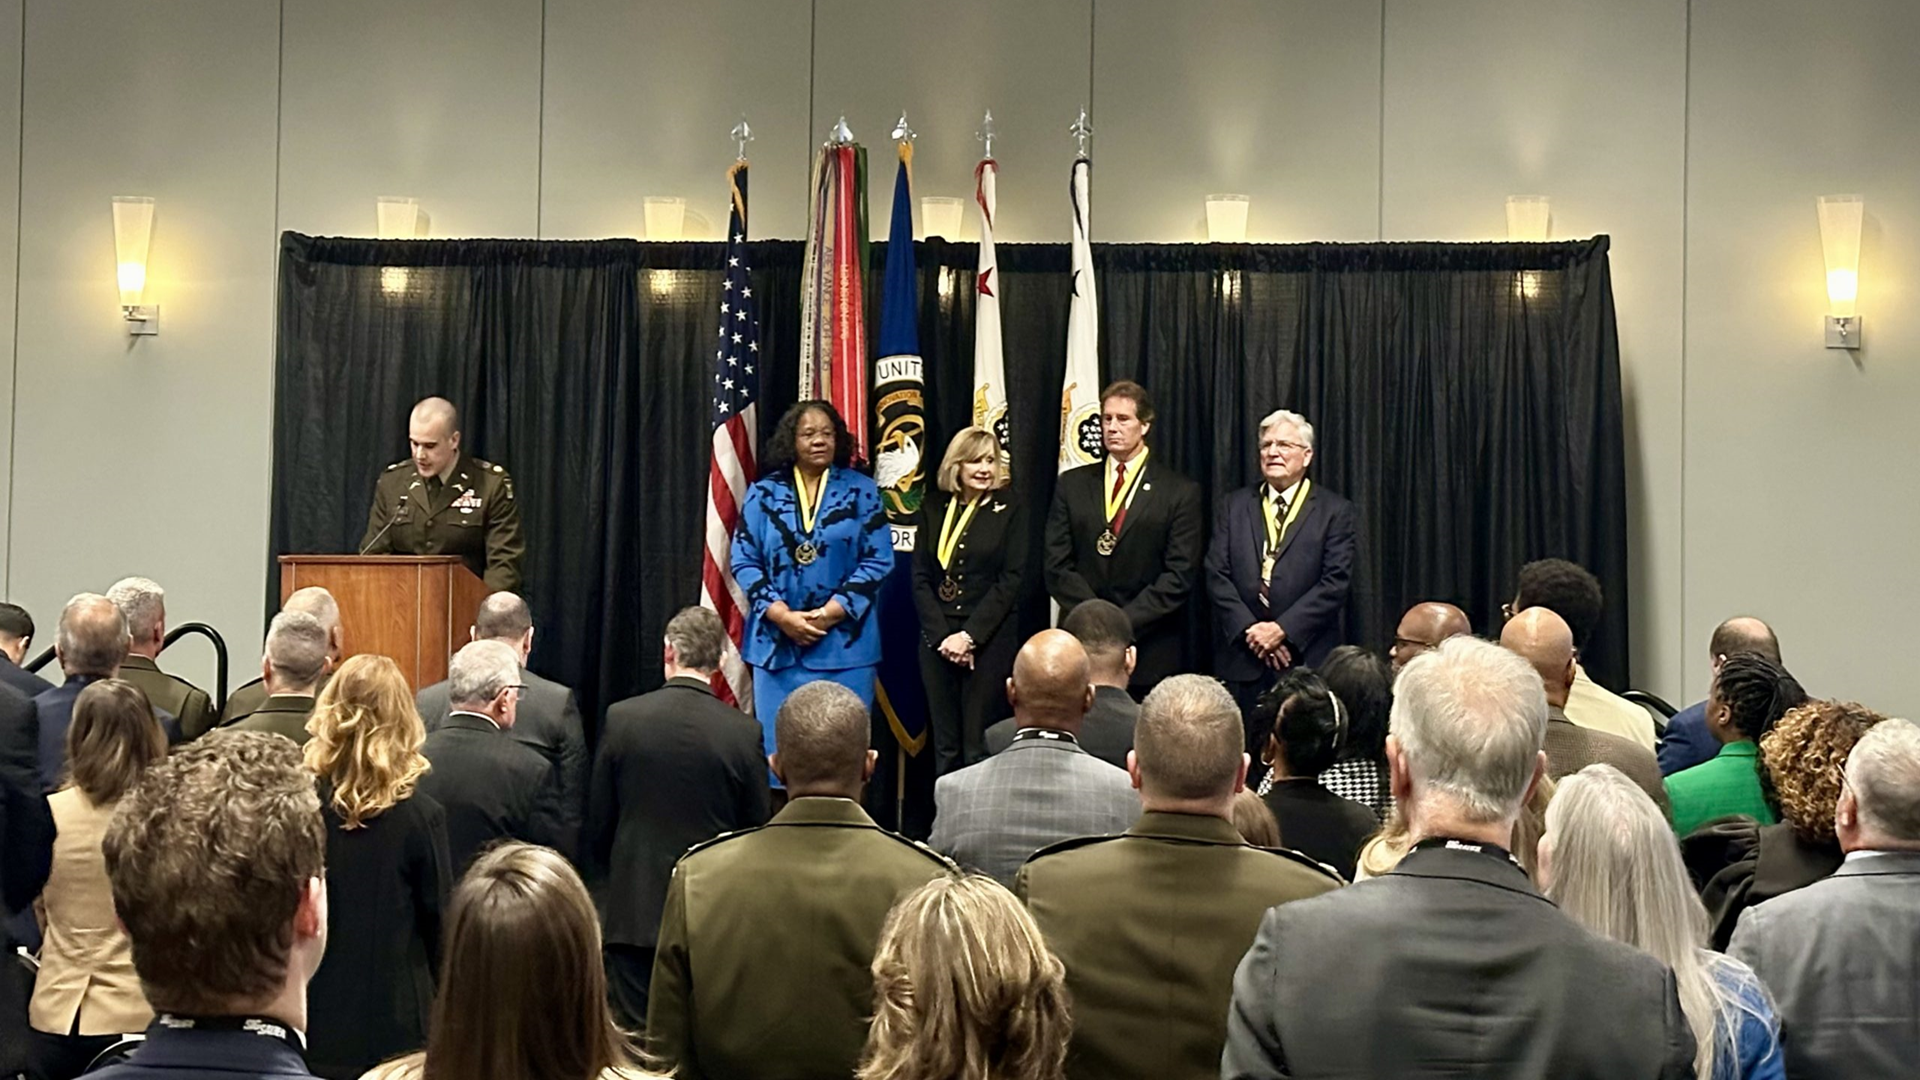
(143, 602)
(698, 638)
(1470, 718)
(503, 616)
(1616, 868)
(479, 671)
(297, 648)
(1189, 740)
(318, 603)
(92, 638)
(1291, 419)
(1884, 772)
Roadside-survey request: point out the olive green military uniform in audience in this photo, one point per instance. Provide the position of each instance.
(187, 702)
(470, 513)
(281, 714)
(248, 699)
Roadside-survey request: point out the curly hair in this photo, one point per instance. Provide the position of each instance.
(1756, 691)
(778, 453)
(1564, 588)
(1803, 762)
(366, 739)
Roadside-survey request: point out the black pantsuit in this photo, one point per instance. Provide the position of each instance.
(986, 571)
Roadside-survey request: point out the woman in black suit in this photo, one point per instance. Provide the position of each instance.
(968, 567)
(388, 874)
(1308, 726)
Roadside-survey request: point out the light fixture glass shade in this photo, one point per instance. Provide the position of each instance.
(941, 215)
(1528, 217)
(666, 217)
(132, 234)
(399, 217)
(1840, 218)
(1227, 218)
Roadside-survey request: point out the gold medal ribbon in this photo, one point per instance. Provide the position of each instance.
(809, 505)
(1277, 528)
(1125, 497)
(950, 536)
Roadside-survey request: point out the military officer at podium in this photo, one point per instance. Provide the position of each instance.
(442, 502)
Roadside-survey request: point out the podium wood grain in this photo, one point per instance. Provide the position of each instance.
(413, 608)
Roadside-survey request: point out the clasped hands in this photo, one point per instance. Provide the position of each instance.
(958, 648)
(1269, 642)
(806, 627)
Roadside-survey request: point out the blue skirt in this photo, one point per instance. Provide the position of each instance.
(770, 688)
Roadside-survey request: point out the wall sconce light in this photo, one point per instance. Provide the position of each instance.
(1528, 218)
(1227, 218)
(940, 215)
(132, 235)
(666, 217)
(398, 217)
(1840, 217)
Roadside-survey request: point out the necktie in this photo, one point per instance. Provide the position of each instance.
(1277, 509)
(1119, 485)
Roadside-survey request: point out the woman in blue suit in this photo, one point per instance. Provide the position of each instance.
(810, 553)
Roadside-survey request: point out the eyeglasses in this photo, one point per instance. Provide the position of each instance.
(1414, 644)
(1282, 444)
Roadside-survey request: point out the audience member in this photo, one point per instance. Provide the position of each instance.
(1749, 695)
(86, 994)
(548, 719)
(388, 869)
(1687, 742)
(291, 667)
(964, 987)
(1573, 593)
(26, 854)
(91, 642)
(1423, 628)
(1364, 684)
(1253, 821)
(16, 637)
(1386, 848)
(1042, 789)
(491, 787)
(523, 994)
(1543, 639)
(1486, 977)
(1609, 860)
(1843, 954)
(676, 768)
(312, 600)
(144, 603)
(1151, 923)
(216, 857)
(1106, 731)
(1306, 728)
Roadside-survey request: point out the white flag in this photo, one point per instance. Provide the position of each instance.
(1080, 442)
(989, 360)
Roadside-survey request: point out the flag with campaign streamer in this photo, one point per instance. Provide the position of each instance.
(1080, 442)
(736, 392)
(833, 319)
(989, 358)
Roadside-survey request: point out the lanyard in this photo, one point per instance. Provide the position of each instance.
(1277, 529)
(1492, 851)
(949, 536)
(1125, 497)
(264, 1027)
(810, 505)
(1040, 734)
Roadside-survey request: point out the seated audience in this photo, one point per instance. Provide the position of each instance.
(1042, 789)
(1452, 964)
(1749, 695)
(738, 991)
(1364, 684)
(964, 986)
(1573, 593)
(86, 995)
(91, 642)
(312, 600)
(1253, 821)
(1686, 742)
(523, 994)
(1543, 639)
(216, 857)
(1423, 628)
(675, 769)
(388, 870)
(16, 637)
(1106, 731)
(1843, 955)
(291, 667)
(1609, 860)
(1150, 924)
(1307, 726)
(491, 787)
(144, 604)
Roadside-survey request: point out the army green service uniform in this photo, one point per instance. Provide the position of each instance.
(187, 702)
(282, 714)
(765, 942)
(1151, 926)
(247, 699)
(470, 514)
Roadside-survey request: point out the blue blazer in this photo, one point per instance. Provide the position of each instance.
(855, 558)
(1307, 594)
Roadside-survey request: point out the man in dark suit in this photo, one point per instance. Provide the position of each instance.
(144, 603)
(1687, 741)
(675, 768)
(1842, 956)
(290, 668)
(491, 787)
(1279, 568)
(319, 603)
(1128, 530)
(992, 815)
(1106, 731)
(26, 858)
(1487, 978)
(549, 718)
(91, 641)
(1149, 956)
(16, 637)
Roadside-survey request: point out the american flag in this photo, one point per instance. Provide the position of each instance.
(736, 390)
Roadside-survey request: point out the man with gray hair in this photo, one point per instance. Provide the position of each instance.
(144, 603)
(1278, 570)
(491, 787)
(295, 657)
(1842, 956)
(319, 603)
(91, 644)
(1488, 978)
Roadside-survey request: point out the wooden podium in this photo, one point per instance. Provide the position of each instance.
(414, 608)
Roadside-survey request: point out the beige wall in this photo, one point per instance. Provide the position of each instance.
(1767, 474)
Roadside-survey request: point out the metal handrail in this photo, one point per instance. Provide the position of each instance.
(178, 632)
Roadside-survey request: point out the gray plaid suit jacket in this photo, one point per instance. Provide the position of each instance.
(990, 816)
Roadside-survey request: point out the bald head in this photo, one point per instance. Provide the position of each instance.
(92, 639)
(436, 413)
(1424, 627)
(319, 603)
(1744, 633)
(1049, 686)
(433, 434)
(1543, 639)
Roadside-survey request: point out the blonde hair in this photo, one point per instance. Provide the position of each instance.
(1254, 821)
(366, 739)
(971, 444)
(965, 988)
(1803, 759)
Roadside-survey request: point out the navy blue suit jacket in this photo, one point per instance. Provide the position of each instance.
(1307, 594)
(206, 1055)
(1687, 742)
(54, 711)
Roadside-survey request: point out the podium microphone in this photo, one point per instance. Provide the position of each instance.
(398, 513)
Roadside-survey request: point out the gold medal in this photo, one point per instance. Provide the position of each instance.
(949, 590)
(1106, 543)
(805, 552)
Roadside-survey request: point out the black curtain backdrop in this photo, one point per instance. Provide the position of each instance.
(1465, 396)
